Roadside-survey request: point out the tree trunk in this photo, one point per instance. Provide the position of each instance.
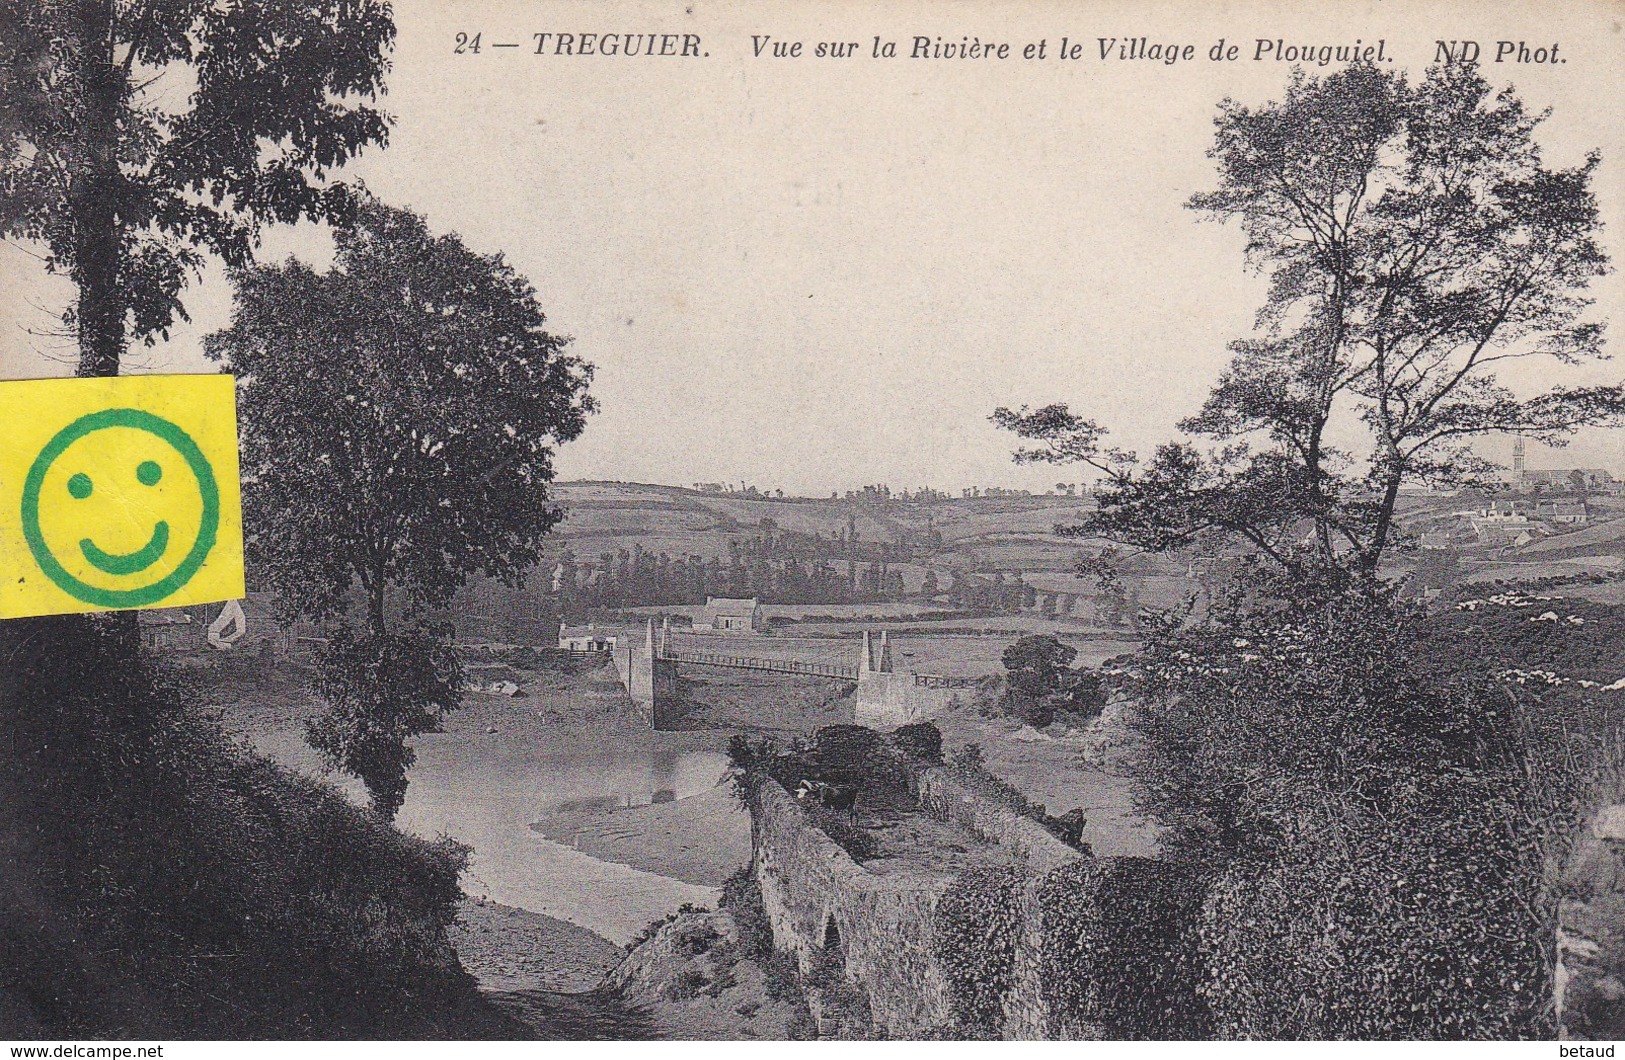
(98, 239)
(97, 266)
(1372, 554)
(377, 625)
(1317, 496)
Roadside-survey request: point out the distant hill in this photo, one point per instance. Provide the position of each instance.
(608, 516)
(1005, 533)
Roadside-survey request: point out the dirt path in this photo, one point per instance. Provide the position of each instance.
(545, 976)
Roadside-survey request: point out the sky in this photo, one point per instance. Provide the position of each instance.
(814, 274)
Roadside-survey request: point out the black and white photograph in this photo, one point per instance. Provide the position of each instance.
(811, 521)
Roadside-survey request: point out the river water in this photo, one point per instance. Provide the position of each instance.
(491, 807)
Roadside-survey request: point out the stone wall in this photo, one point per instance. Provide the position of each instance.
(882, 924)
(1590, 973)
(881, 927)
(1030, 843)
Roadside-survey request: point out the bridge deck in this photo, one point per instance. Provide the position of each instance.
(772, 666)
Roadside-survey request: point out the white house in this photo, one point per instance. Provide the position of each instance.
(584, 638)
(723, 614)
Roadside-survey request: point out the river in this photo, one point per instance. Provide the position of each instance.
(486, 789)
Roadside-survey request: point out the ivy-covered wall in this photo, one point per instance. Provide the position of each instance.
(881, 924)
(1590, 973)
(958, 956)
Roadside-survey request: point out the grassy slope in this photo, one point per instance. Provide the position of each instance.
(159, 882)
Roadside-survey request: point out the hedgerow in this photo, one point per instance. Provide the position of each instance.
(1120, 955)
(974, 932)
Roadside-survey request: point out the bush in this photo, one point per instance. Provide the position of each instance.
(652, 928)
(1382, 820)
(846, 754)
(837, 754)
(921, 741)
(222, 896)
(742, 899)
(1037, 711)
(1033, 666)
(1243, 722)
(974, 931)
(1084, 693)
(687, 985)
(1120, 953)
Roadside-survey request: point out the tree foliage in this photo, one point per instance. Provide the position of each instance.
(1034, 664)
(1381, 817)
(136, 135)
(399, 416)
(1414, 242)
(781, 567)
(381, 691)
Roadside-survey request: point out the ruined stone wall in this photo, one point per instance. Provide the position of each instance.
(885, 923)
(1590, 973)
(882, 923)
(1030, 843)
(1035, 848)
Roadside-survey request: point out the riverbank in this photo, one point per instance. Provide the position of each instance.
(567, 748)
(701, 840)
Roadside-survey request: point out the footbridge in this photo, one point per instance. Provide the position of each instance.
(885, 696)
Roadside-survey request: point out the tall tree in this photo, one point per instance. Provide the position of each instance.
(137, 135)
(1414, 242)
(400, 414)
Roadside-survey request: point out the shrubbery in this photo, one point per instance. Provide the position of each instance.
(1422, 934)
(221, 896)
(1120, 951)
(921, 741)
(742, 899)
(975, 928)
(1382, 821)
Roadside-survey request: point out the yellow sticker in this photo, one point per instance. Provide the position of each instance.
(118, 493)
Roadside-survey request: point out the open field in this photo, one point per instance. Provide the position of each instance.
(606, 516)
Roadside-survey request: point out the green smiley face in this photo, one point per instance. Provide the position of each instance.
(106, 499)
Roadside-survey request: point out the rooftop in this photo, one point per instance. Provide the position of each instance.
(724, 605)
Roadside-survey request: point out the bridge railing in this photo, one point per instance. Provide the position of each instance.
(944, 681)
(777, 666)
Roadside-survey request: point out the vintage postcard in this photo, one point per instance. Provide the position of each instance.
(867, 519)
